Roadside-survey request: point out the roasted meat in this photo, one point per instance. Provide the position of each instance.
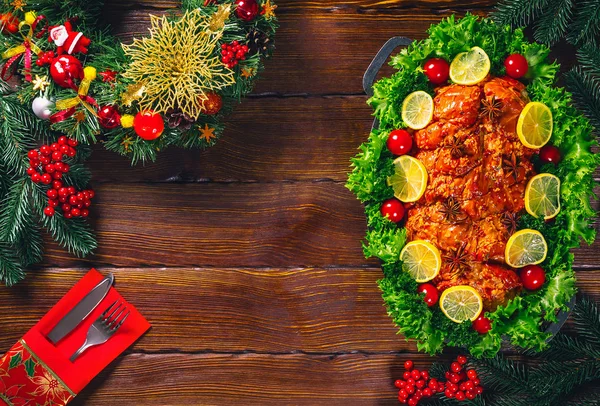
(478, 170)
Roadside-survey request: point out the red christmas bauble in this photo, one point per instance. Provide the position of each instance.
(533, 277)
(65, 69)
(399, 142)
(550, 154)
(516, 66)
(148, 125)
(246, 10)
(212, 105)
(437, 70)
(109, 117)
(482, 325)
(431, 293)
(393, 209)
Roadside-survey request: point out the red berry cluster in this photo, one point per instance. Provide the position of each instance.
(45, 58)
(46, 166)
(462, 384)
(74, 203)
(233, 53)
(417, 385)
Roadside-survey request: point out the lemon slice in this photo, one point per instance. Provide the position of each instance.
(421, 259)
(535, 125)
(525, 247)
(417, 110)
(410, 180)
(542, 196)
(469, 68)
(461, 303)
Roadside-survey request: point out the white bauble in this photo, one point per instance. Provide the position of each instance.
(42, 107)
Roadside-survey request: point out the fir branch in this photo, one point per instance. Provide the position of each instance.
(586, 317)
(15, 210)
(503, 375)
(586, 94)
(30, 245)
(585, 28)
(11, 270)
(518, 13)
(554, 21)
(589, 59)
(73, 234)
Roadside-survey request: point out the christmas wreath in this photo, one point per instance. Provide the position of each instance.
(476, 184)
(67, 84)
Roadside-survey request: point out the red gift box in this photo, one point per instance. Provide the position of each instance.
(37, 372)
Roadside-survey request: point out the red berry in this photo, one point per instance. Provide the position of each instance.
(71, 152)
(448, 374)
(399, 142)
(454, 378)
(470, 395)
(452, 386)
(49, 211)
(50, 168)
(73, 200)
(469, 385)
(72, 143)
(533, 277)
(52, 194)
(550, 154)
(66, 168)
(462, 386)
(472, 374)
(393, 209)
(478, 390)
(33, 154)
(36, 178)
(425, 375)
(57, 184)
(410, 381)
(412, 402)
(59, 166)
(54, 146)
(63, 192)
(53, 203)
(71, 190)
(402, 400)
(75, 212)
(437, 70)
(431, 293)
(85, 213)
(68, 215)
(62, 140)
(62, 199)
(482, 325)
(403, 394)
(440, 387)
(57, 175)
(461, 359)
(406, 375)
(516, 66)
(409, 389)
(64, 149)
(45, 150)
(433, 383)
(31, 170)
(408, 365)
(45, 160)
(455, 367)
(399, 383)
(460, 396)
(449, 394)
(416, 374)
(420, 383)
(66, 207)
(57, 156)
(462, 375)
(475, 381)
(427, 392)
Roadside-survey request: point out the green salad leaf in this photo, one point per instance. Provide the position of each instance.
(523, 319)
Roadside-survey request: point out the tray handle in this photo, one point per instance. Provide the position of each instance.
(377, 62)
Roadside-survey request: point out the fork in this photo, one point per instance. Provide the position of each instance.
(103, 328)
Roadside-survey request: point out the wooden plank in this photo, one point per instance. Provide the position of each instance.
(313, 311)
(287, 224)
(249, 379)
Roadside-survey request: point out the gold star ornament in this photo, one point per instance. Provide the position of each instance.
(40, 83)
(18, 4)
(268, 10)
(218, 19)
(134, 92)
(248, 72)
(208, 133)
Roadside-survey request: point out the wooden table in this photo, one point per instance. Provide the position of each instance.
(247, 258)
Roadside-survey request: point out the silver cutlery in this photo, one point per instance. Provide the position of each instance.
(81, 310)
(104, 327)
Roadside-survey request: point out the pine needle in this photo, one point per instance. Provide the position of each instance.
(553, 23)
(586, 94)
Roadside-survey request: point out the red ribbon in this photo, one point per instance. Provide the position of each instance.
(65, 114)
(6, 69)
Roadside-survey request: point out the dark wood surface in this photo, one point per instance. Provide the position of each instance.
(247, 258)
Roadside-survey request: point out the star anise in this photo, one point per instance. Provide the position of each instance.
(457, 259)
(452, 211)
(456, 147)
(509, 220)
(492, 108)
(510, 166)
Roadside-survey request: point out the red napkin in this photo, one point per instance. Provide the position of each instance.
(35, 371)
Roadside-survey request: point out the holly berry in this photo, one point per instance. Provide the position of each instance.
(148, 125)
(461, 359)
(472, 374)
(416, 374)
(49, 211)
(431, 293)
(399, 142)
(516, 66)
(482, 324)
(455, 367)
(393, 209)
(550, 154)
(408, 365)
(460, 396)
(437, 70)
(233, 53)
(533, 277)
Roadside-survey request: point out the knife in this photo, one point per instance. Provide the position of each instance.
(81, 310)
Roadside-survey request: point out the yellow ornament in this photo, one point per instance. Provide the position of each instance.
(40, 83)
(127, 121)
(208, 133)
(269, 10)
(248, 72)
(218, 19)
(18, 4)
(30, 17)
(126, 143)
(134, 92)
(178, 64)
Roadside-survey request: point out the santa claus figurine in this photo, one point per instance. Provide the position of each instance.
(67, 40)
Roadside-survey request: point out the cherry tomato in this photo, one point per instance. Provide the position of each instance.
(393, 209)
(431, 293)
(533, 277)
(399, 142)
(550, 154)
(482, 324)
(516, 66)
(437, 70)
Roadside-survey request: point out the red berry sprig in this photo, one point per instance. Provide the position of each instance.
(417, 385)
(47, 166)
(45, 58)
(233, 53)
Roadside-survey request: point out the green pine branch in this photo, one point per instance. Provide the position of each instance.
(589, 59)
(585, 28)
(15, 210)
(586, 93)
(11, 270)
(518, 12)
(553, 23)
